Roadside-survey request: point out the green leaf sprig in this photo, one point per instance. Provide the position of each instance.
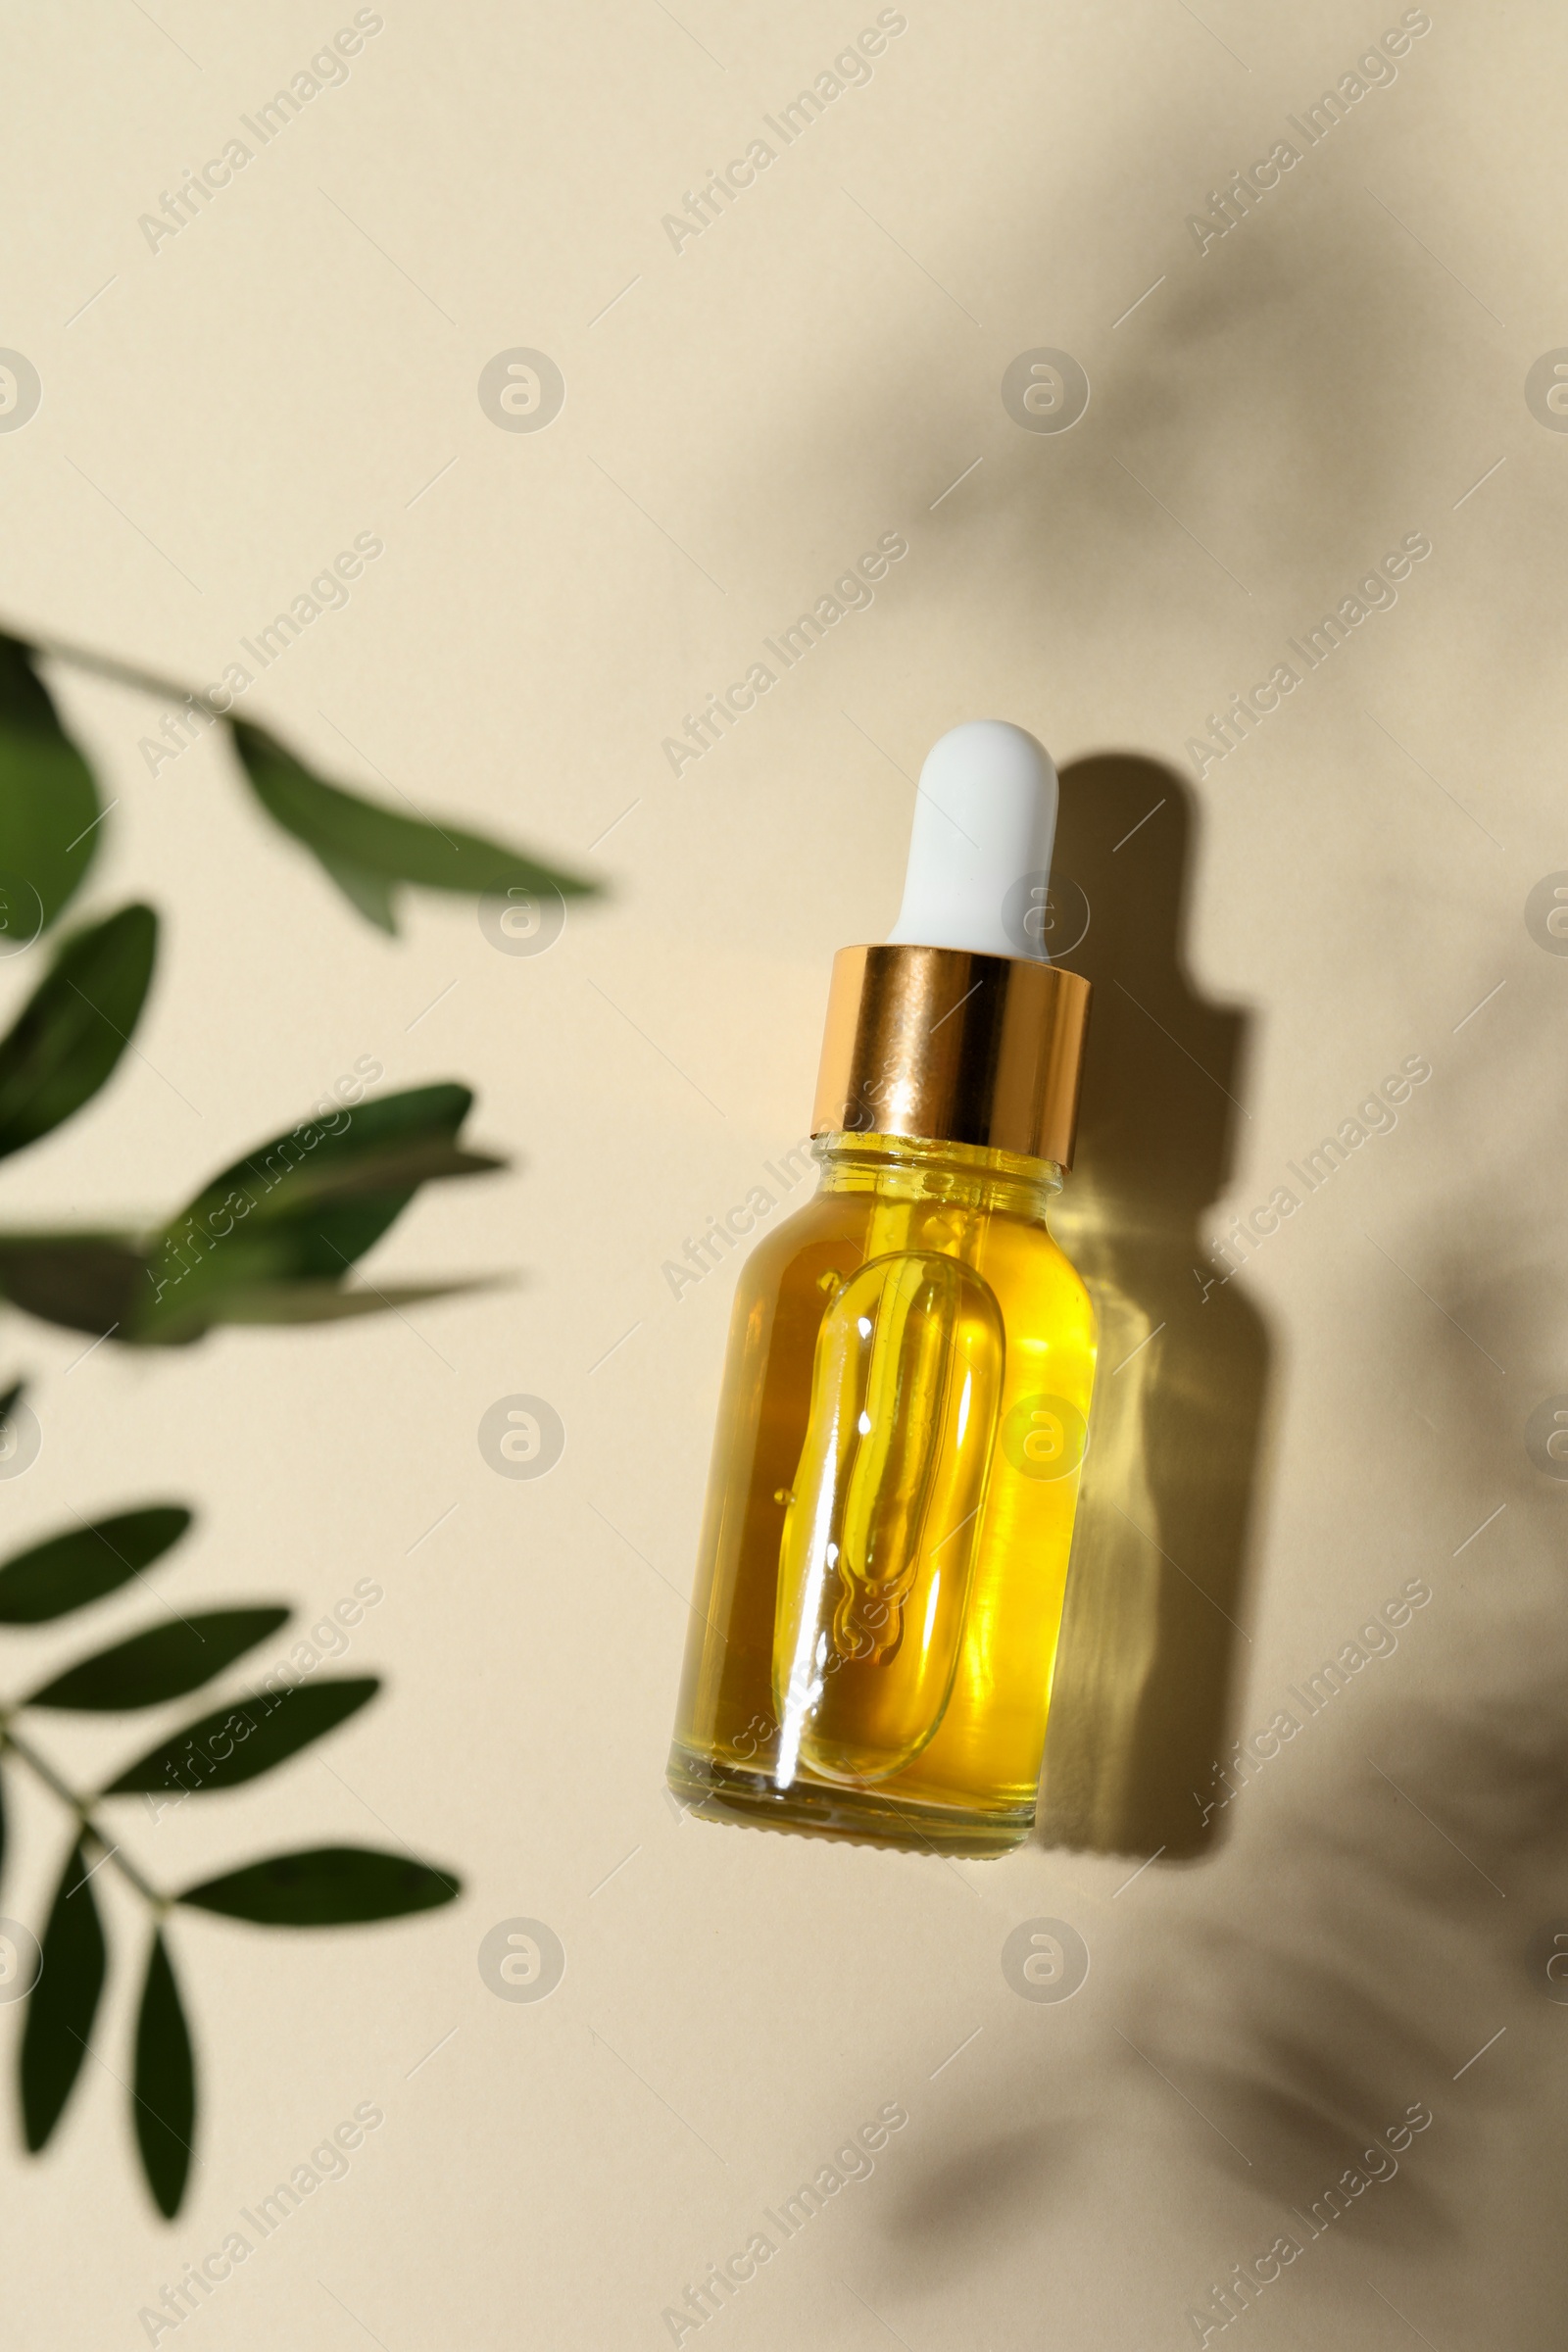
(319, 1886)
(49, 811)
(270, 1240)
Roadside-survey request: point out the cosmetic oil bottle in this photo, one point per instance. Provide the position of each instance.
(906, 1401)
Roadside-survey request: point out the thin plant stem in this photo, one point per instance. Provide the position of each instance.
(41, 1769)
(120, 673)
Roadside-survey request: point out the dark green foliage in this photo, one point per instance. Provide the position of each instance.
(163, 2101)
(329, 1887)
(270, 1240)
(238, 1743)
(162, 1663)
(74, 1028)
(366, 849)
(64, 2002)
(48, 802)
(69, 1571)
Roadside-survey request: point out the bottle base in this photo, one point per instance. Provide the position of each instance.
(859, 1815)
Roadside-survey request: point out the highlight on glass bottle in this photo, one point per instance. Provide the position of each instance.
(906, 1393)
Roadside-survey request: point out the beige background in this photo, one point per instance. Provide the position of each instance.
(818, 368)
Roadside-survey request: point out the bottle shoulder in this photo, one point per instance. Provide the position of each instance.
(803, 1233)
(1019, 1256)
(1068, 1266)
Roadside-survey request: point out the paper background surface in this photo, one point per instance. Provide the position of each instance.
(743, 419)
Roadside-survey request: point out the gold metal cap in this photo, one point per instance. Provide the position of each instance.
(954, 1048)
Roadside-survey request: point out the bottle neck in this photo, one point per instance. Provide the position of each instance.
(905, 1168)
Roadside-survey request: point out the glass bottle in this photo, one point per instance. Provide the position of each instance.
(905, 1401)
(889, 1511)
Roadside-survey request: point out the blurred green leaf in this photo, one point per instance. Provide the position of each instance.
(331, 1886)
(8, 1405)
(86, 1281)
(237, 1744)
(48, 802)
(270, 1239)
(318, 1302)
(164, 2097)
(75, 1025)
(64, 2002)
(162, 1663)
(370, 894)
(366, 848)
(99, 1283)
(377, 1171)
(350, 1160)
(69, 1571)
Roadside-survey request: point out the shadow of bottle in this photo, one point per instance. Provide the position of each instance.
(1142, 1694)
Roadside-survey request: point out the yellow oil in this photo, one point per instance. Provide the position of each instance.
(889, 1511)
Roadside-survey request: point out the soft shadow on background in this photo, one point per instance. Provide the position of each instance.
(1382, 1949)
(1378, 1935)
(1146, 1666)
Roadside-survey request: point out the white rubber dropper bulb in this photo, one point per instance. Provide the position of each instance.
(985, 822)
